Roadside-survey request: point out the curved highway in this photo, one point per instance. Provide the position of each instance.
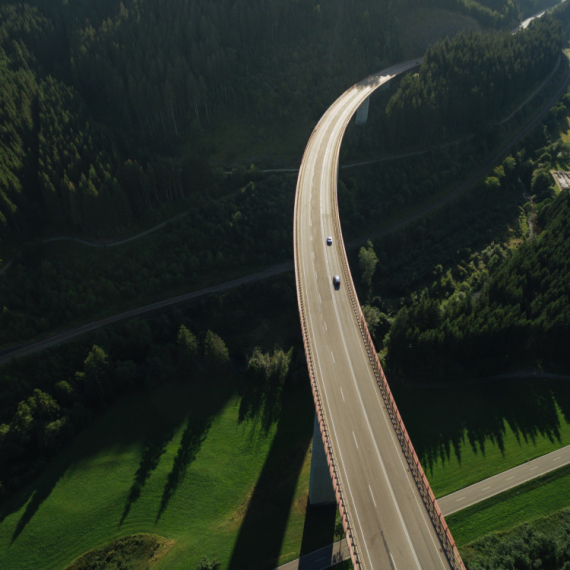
(390, 516)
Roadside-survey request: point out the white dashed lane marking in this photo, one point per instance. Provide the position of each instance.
(372, 495)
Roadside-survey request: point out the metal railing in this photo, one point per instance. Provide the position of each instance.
(416, 469)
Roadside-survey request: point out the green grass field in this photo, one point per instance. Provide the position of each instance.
(447, 477)
(533, 500)
(467, 433)
(176, 462)
(199, 464)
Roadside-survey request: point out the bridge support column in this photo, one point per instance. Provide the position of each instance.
(321, 491)
(362, 112)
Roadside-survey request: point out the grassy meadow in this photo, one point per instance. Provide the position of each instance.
(533, 500)
(464, 434)
(475, 465)
(190, 463)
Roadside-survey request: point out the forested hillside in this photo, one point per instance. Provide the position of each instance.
(507, 311)
(471, 81)
(105, 104)
(104, 113)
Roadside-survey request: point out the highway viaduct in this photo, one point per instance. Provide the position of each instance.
(391, 518)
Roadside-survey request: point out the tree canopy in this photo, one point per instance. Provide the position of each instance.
(517, 315)
(471, 81)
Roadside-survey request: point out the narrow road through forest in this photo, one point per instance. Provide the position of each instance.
(23, 349)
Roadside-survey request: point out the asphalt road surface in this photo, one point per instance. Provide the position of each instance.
(338, 551)
(390, 524)
(504, 481)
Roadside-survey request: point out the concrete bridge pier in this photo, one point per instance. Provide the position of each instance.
(362, 112)
(321, 491)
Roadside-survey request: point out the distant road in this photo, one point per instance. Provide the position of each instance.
(338, 551)
(504, 481)
(112, 243)
(36, 346)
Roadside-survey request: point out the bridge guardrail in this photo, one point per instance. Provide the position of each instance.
(416, 469)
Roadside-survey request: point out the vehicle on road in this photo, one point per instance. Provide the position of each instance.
(329, 240)
(336, 281)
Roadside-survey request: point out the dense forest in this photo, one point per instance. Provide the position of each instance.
(105, 105)
(252, 227)
(243, 219)
(104, 108)
(500, 309)
(473, 80)
(78, 380)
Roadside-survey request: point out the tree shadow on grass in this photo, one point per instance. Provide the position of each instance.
(136, 419)
(15, 503)
(38, 496)
(152, 452)
(194, 435)
(34, 494)
(260, 537)
(260, 404)
(208, 400)
(442, 421)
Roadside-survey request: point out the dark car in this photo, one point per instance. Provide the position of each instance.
(329, 240)
(336, 281)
